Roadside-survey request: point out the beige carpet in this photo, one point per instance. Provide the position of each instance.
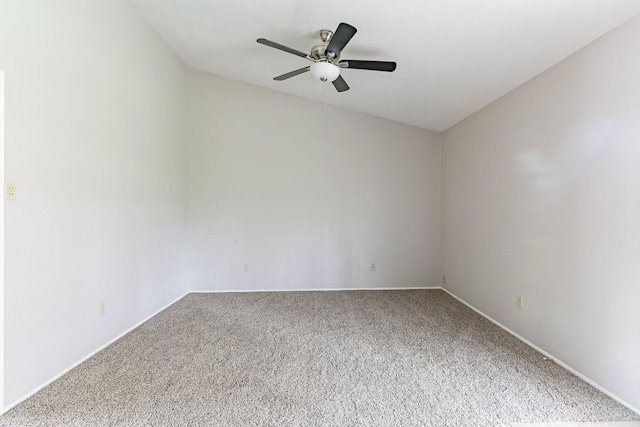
(587, 424)
(371, 358)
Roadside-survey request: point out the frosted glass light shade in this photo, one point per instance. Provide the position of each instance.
(325, 71)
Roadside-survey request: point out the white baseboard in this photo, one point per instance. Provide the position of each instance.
(46, 383)
(550, 356)
(407, 288)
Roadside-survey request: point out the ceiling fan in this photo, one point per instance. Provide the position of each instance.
(326, 58)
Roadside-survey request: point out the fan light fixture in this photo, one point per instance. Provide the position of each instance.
(324, 71)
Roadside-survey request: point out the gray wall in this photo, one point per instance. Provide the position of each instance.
(96, 132)
(541, 198)
(307, 196)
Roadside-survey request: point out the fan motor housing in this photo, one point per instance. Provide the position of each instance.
(318, 52)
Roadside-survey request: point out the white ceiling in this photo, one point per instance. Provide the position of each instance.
(454, 56)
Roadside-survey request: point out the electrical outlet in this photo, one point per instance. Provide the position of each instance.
(519, 301)
(102, 308)
(10, 191)
(444, 279)
(372, 266)
(246, 268)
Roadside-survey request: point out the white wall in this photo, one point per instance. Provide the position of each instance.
(1, 242)
(307, 198)
(96, 140)
(541, 198)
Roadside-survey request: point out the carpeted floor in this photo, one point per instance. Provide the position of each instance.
(586, 424)
(371, 358)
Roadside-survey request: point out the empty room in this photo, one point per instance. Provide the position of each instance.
(298, 213)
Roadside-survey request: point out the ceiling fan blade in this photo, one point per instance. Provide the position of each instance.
(340, 84)
(368, 65)
(340, 38)
(292, 74)
(281, 47)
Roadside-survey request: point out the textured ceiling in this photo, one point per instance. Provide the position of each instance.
(454, 56)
